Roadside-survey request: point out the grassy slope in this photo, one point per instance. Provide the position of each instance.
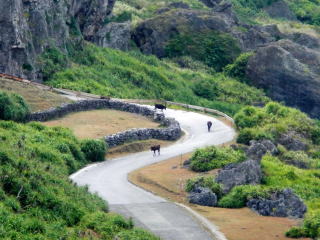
(133, 75)
(38, 201)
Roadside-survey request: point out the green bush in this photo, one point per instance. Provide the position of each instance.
(239, 195)
(206, 89)
(273, 120)
(94, 150)
(212, 48)
(51, 61)
(12, 107)
(203, 181)
(213, 157)
(238, 68)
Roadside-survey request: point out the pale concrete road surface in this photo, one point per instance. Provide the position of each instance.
(167, 220)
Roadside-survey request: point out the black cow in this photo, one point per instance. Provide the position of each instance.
(160, 106)
(154, 149)
(209, 124)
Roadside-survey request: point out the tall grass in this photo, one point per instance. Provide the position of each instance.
(38, 201)
(133, 75)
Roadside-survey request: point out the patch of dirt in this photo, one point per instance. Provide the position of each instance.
(38, 98)
(167, 179)
(100, 123)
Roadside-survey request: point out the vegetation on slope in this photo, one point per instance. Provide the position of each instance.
(272, 120)
(299, 170)
(133, 75)
(38, 201)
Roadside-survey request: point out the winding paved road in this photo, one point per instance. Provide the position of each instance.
(167, 220)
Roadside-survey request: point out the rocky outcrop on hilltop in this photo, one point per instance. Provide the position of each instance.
(152, 35)
(29, 27)
(289, 72)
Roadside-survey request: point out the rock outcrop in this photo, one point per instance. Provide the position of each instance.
(292, 142)
(152, 35)
(280, 9)
(281, 204)
(248, 172)
(29, 27)
(114, 35)
(203, 196)
(289, 72)
(258, 149)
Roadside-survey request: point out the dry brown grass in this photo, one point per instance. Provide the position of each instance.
(167, 179)
(100, 123)
(37, 97)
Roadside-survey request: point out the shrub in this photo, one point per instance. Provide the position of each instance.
(52, 60)
(12, 107)
(206, 89)
(94, 150)
(271, 121)
(212, 157)
(239, 195)
(213, 48)
(238, 68)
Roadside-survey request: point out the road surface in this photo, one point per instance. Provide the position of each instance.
(167, 220)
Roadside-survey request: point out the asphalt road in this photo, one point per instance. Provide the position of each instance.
(167, 220)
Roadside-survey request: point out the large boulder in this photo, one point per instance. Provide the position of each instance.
(258, 149)
(248, 172)
(280, 9)
(289, 72)
(114, 35)
(203, 196)
(281, 204)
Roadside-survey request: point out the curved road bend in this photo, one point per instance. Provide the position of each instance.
(165, 219)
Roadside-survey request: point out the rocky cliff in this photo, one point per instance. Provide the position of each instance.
(29, 27)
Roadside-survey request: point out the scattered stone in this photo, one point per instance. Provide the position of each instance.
(203, 196)
(281, 204)
(248, 172)
(186, 163)
(258, 149)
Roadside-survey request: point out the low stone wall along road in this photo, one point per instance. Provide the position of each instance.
(165, 219)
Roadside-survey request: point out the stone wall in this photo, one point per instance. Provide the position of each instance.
(171, 128)
(172, 131)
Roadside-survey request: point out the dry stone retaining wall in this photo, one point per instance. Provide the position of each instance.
(171, 130)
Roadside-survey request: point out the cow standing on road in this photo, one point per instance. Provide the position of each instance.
(154, 149)
(209, 124)
(160, 106)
